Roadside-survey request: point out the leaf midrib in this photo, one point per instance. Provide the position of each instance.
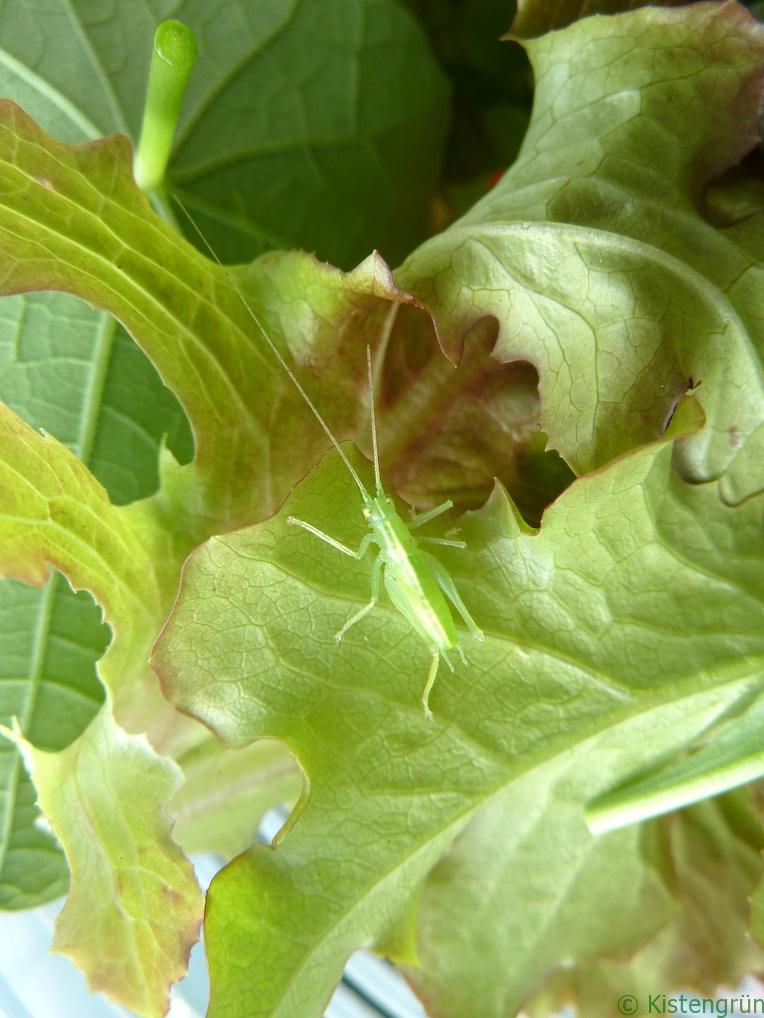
(104, 79)
(226, 79)
(45, 89)
(39, 647)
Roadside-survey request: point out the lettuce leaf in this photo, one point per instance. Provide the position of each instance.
(595, 664)
(621, 632)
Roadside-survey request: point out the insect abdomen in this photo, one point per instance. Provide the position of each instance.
(412, 587)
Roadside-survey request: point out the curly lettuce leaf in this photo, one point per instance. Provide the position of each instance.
(72, 219)
(134, 907)
(536, 17)
(593, 254)
(578, 664)
(53, 513)
(713, 855)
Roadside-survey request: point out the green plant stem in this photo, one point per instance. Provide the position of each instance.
(172, 60)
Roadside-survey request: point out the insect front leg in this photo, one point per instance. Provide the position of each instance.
(320, 534)
(376, 571)
(363, 547)
(448, 587)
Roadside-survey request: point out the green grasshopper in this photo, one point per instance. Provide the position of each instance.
(419, 586)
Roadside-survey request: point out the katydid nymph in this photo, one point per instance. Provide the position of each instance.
(419, 586)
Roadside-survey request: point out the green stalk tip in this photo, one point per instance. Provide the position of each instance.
(175, 43)
(172, 59)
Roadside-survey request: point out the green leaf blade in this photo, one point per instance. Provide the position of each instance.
(134, 908)
(310, 127)
(53, 512)
(185, 314)
(226, 793)
(713, 855)
(594, 236)
(584, 651)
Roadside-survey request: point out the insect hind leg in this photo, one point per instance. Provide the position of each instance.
(448, 587)
(430, 682)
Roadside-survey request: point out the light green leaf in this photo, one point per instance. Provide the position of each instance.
(134, 908)
(577, 646)
(53, 512)
(182, 311)
(712, 856)
(226, 792)
(591, 252)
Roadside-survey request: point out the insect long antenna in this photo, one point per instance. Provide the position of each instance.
(277, 354)
(373, 416)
